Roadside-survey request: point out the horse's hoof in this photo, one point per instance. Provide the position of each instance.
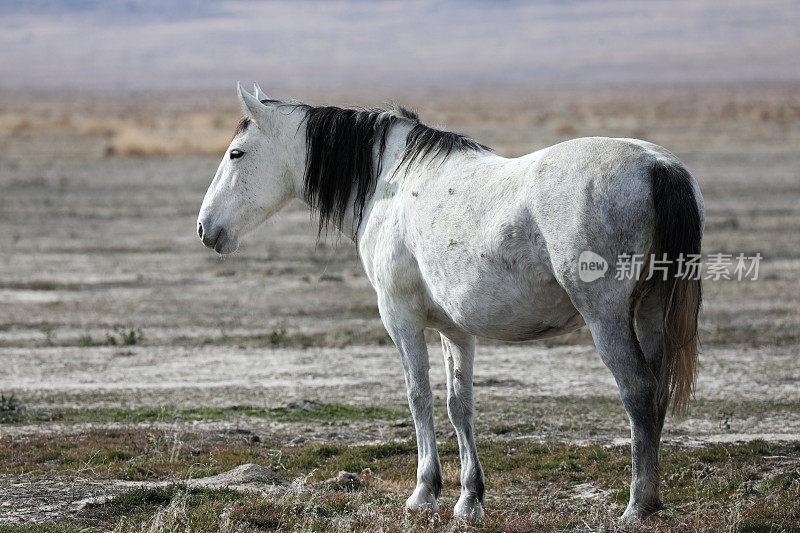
(422, 500)
(640, 512)
(468, 508)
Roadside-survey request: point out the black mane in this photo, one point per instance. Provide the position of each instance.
(340, 155)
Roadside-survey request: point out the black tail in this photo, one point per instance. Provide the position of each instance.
(678, 233)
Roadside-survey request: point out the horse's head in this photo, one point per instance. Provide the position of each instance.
(256, 177)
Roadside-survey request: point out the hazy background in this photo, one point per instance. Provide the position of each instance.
(140, 44)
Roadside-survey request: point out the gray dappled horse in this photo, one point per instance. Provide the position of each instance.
(456, 238)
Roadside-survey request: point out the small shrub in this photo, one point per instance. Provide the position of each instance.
(8, 403)
(124, 337)
(131, 337)
(724, 418)
(47, 331)
(277, 337)
(86, 340)
(10, 408)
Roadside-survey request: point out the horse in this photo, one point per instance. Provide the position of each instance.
(463, 241)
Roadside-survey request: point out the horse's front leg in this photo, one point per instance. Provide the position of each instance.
(408, 336)
(458, 350)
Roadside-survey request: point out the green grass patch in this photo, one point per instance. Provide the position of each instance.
(136, 503)
(330, 412)
(124, 337)
(86, 341)
(311, 412)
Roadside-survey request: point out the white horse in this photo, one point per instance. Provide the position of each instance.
(455, 238)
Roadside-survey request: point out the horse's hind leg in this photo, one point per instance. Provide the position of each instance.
(458, 350)
(638, 388)
(650, 333)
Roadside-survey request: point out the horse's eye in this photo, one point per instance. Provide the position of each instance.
(236, 154)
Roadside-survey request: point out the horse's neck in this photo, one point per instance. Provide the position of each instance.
(392, 154)
(292, 131)
(387, 172)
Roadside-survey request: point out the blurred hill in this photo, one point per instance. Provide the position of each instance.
(146, 44)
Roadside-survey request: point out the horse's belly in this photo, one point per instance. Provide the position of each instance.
(508, 308)
(545, 315)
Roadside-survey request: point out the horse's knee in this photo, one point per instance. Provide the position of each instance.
(459, 408)
(419, 397)
(639, 394)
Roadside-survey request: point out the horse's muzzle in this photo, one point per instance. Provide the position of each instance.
(216, 238)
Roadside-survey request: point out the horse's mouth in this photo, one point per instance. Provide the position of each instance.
(225, 244)
(221, 241)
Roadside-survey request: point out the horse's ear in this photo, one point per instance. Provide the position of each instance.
(260, 95)
(251, 107)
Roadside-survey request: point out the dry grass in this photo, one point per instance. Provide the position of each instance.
(143, 126)
(195, 134)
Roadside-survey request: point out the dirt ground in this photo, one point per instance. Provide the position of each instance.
(114, 317)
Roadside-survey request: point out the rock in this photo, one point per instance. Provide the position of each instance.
(304, 405)
(244, 434)
(345, 481)
(248, 474)
(587, 491)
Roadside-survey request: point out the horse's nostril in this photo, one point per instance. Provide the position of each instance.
(200, 229)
